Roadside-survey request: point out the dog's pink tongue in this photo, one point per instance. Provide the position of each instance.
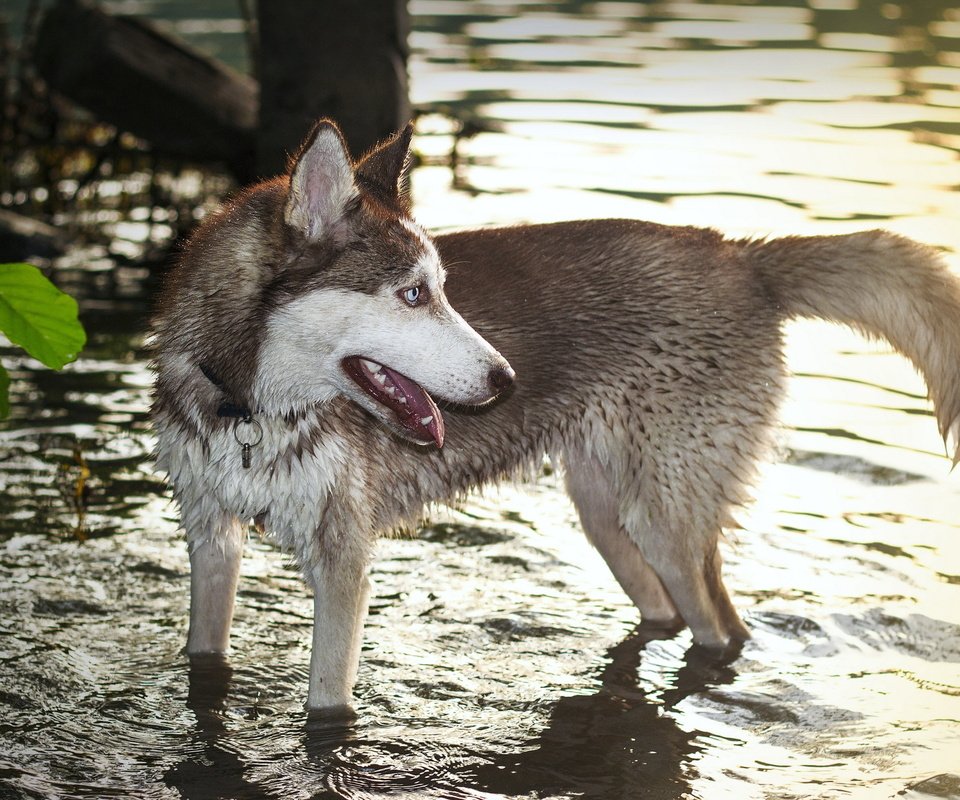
(419, 414)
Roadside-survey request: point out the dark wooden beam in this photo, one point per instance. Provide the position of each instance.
(149, 83)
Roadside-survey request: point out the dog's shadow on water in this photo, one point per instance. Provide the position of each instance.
(612, 743)
(616, 742)
(211, 770)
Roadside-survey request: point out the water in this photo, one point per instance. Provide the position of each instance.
(500, 660)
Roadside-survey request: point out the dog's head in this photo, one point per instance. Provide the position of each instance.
(356, 305)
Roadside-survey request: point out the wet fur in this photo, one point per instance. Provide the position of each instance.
(649, 362)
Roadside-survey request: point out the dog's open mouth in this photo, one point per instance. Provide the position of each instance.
(413, 407)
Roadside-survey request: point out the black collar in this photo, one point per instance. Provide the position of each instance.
(227, 408)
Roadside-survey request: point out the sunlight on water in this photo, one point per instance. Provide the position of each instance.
(500, 658)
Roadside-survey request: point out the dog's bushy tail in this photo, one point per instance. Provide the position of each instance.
(882, 285)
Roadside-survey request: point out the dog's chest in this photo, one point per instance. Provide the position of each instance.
(285, 477)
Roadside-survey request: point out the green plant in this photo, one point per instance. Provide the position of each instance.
(38, 317)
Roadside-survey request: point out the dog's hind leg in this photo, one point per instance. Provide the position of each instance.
(689, 566)
(592, 494)
(667, 563)
(215, 555)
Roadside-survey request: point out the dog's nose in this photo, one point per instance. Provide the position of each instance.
(501, 378)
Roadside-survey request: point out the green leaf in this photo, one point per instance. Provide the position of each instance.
(4, 393)
(36, 315)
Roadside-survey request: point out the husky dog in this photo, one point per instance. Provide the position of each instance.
(307, 341)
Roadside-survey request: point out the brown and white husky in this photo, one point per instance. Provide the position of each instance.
(313, 376)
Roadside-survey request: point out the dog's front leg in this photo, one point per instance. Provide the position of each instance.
(340, 593)
(215, 555)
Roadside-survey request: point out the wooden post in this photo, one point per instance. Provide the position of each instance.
(342, 59)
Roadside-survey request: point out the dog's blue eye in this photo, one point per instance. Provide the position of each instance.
(412, 295)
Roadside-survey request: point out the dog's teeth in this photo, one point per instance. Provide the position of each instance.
(402, 400)
(391, 390)
(426, 420)
(372, 366)
(380, 378)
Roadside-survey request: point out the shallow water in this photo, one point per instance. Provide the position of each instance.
(500, 659)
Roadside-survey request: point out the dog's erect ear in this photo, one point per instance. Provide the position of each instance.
(321, 182)
(380, 171)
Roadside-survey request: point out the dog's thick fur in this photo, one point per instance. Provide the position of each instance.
(648, 359)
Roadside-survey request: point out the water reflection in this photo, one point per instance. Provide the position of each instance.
(784, 124)
(211, 766)
(210, 770)
(616, 741)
